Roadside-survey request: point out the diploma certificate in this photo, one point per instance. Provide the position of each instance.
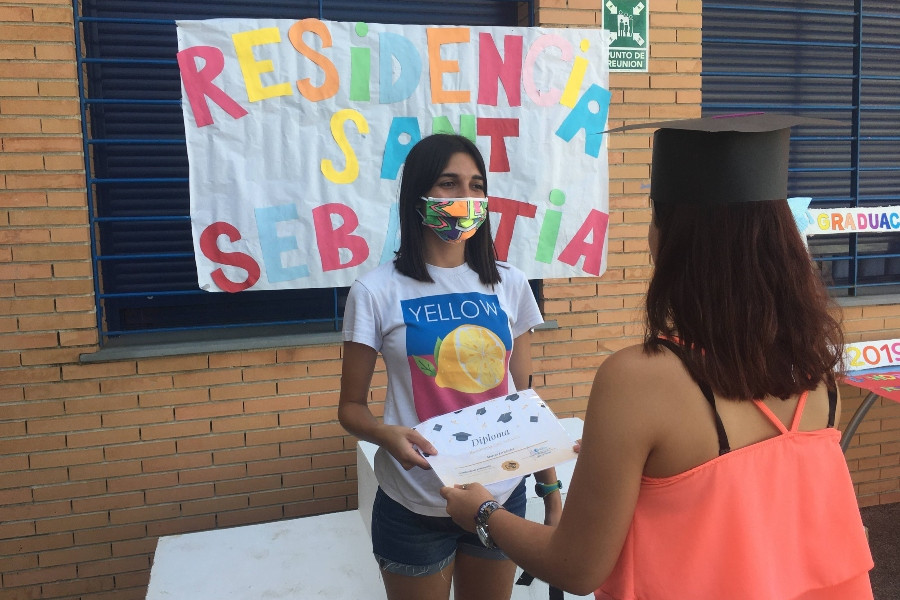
(510, 436)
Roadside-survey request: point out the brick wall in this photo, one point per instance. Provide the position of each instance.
(98, 460)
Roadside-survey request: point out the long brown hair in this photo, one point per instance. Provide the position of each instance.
(735, 283)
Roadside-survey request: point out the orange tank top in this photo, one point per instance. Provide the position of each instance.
(776, 520)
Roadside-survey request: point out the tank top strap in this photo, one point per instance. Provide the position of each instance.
(724, 444)
(795, 422)
(832, 400)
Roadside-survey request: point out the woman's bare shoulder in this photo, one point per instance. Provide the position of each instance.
(640, 380)
(637, 361)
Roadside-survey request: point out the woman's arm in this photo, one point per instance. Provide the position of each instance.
(520, 367)
(579, 554)
(356, 417)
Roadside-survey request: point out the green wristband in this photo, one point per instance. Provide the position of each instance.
(545, 489)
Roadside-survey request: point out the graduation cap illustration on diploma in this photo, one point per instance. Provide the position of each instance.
(722, 159)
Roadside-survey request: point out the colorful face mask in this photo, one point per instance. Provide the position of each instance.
(454, 219)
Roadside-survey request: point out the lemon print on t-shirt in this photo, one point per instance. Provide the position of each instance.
(458, 348)
(470, 359)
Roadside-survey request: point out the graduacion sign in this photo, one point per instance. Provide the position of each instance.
(297, 132)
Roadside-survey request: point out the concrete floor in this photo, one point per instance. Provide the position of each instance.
(884, 539)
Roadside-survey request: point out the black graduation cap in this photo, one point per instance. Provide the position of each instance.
(728, 158)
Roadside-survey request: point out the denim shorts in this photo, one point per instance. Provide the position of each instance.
(407, 543)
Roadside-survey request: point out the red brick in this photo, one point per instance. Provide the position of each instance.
(279, 404)
(73, 270)
(15, 13)
(311, 447)
(53, 15)
(69, 490)
(142, 449)
(279, 497)
(255, 390)
(32, 444)
(245, 455)
(307, 478)
(89, 587)
(245, 423)
(110, 533)
(63, 424)
(97, 371)
(212, 474)
(309, 353)
(79, 555)
(135, 384)
(16, 530)
(175, 430)
(324, 461)
(22, 306)
(247, 485)
(288, 466)
(33, 477)
(22, 341)
(66, 458)
(104, 470)
(48, 575)
(143, 514)
(309, 385)
(305, 509)
(173, 397)
(206, 378)
(247, 517)
(43, 181)
(103, 438)
(144, 547)
(32, 410)
(176, 462)
(281, 434)
(180, 493)
(208, 410)
(72, 523)
(15, 496)
(324, 399)
(272, 372)
(109, 502)
(242, 359)
(101, 404)
(203, 522)
(35, 543)
(143, 416)
(215, 505)
(173, 364)
(113, 566)
(210, 442)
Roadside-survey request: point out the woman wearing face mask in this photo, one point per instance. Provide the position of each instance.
(452, 325)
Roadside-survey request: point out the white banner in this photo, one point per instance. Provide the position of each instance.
(297, 132)
(859, 356)
(880, 219)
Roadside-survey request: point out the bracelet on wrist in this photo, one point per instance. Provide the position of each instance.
(545, 489)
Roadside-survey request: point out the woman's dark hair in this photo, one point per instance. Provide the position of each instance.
(736, 285)
(424, 165)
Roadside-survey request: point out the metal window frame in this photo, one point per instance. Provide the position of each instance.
(854, 104)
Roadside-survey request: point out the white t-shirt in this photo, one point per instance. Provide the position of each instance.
(446, 345)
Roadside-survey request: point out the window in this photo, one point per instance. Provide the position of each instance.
(831, 59)
(136, 159)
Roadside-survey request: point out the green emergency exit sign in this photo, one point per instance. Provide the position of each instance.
(627, 25)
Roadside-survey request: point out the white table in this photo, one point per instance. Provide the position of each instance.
(326, 556)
